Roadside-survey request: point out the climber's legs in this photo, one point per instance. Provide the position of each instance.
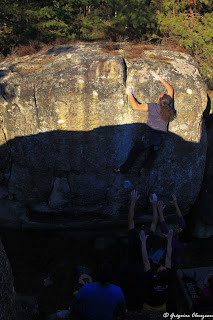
(132, 156)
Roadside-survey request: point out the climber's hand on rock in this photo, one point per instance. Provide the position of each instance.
(156, 76)
(128, 91)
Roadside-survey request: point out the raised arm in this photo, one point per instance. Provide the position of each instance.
(163, 224)
(161, 207)
(166, 85)
(175, 203)
(181, 220)
(146, 262)
(153, 200)
(134, 197)
(134, 103)
(168, 260)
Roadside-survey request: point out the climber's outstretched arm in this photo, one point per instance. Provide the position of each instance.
(134, 103)
(166, 85)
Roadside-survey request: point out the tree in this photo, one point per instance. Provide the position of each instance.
(60, 19)
(121, 19)
(16, 25)
(190, 23)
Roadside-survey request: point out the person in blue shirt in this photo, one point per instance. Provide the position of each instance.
(98, 300)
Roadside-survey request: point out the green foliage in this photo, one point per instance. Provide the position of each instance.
(189, 23)
(93, 27)
(16, 26)
(59, 20)
(116, 19)
(192, 28)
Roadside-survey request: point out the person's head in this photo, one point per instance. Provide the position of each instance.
(105, 272)
(166, 112)
(160, 96)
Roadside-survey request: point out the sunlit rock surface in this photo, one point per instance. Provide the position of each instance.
(66, 123)
(7, 292)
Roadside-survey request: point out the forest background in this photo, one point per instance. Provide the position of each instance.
(26, 26)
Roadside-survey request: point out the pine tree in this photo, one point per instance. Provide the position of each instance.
(190, 23)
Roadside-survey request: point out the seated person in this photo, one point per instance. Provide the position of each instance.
(205, 301)
(157, 280)
(98, 300)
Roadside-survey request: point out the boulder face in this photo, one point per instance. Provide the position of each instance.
(66, 123)
(7, 292)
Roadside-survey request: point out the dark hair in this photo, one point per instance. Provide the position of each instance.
(166, 112)
(185, 236)
(105, 272)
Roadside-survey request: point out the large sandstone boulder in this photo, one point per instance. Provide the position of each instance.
(7, 292)
(66, 123)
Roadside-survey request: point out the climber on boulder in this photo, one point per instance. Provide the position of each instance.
(159, 116)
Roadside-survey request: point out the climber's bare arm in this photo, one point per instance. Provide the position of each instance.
(134, 103)
(166, 85)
